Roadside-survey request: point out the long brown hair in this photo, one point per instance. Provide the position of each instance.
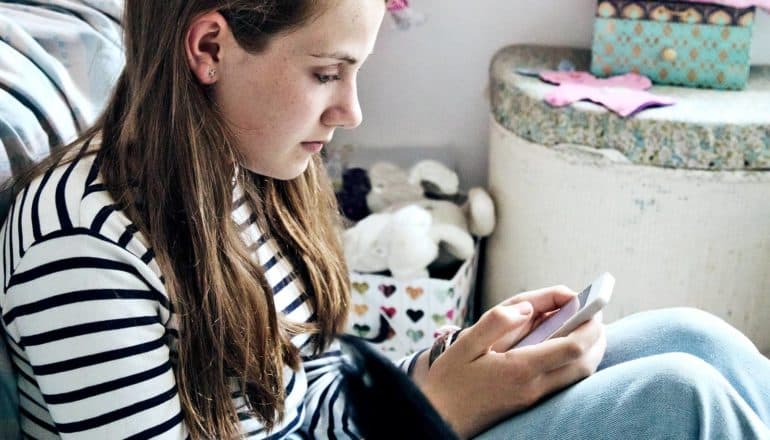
(168, 160)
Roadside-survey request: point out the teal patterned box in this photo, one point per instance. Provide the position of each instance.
(674, 42)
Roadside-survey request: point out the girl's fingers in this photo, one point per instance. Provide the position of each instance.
(570, 373)
(544, 300)
(555, 353)
(494, 325)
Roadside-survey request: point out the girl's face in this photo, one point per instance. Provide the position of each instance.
(284, 103)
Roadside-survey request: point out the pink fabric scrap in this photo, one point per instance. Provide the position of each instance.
(629, 80)
(622, 94)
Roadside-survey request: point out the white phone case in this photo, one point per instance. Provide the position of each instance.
(571, 315)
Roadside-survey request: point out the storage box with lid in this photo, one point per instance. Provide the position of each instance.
(674, 42)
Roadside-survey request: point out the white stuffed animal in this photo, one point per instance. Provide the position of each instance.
(404, 242)
(399, 242)
(408, 232)
(407, 239)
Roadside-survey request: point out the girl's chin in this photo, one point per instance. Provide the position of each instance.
(283, 173)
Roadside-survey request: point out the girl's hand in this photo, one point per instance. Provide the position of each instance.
(479, 380)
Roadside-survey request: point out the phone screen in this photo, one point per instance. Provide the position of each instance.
(583, 297)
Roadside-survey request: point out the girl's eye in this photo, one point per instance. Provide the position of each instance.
(323, 79)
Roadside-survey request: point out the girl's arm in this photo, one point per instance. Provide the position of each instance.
(85, 322)
(326, 413)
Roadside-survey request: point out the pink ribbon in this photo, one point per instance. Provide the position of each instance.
(397, 5)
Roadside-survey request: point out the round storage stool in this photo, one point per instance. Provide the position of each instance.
(673, 202)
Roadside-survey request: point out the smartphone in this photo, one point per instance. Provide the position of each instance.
(577, 311)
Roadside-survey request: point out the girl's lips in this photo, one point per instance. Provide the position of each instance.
(313, 147)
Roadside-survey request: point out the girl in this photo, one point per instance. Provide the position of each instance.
(176, 272)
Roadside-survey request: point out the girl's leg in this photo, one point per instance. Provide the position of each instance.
(692, 331)
(670, 395)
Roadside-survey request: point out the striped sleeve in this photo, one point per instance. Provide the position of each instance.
(85, 320)
(407, 363)
(327, 412)
(328, 416)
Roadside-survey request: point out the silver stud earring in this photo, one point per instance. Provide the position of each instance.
(212, 72)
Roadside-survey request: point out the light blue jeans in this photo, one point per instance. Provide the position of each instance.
(667, 374)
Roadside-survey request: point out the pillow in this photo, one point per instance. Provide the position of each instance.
(59, 60)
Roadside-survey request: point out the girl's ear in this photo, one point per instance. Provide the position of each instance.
(203, 46)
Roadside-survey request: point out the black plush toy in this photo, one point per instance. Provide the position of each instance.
(384, 402)
(352, 196)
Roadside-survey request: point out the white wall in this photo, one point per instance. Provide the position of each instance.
(426, 86)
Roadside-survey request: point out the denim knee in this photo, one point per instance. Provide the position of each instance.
(676, 373)
(695, 331)
(692, 398)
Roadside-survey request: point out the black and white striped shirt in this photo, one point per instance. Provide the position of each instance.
(92, 334)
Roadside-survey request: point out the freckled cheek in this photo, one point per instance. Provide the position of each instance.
(300, 110)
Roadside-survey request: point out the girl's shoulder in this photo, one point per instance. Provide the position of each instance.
(70, 199)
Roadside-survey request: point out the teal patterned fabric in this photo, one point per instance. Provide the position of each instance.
(674, 43)
(707, 61)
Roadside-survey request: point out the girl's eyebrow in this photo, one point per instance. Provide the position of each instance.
(337, 55)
